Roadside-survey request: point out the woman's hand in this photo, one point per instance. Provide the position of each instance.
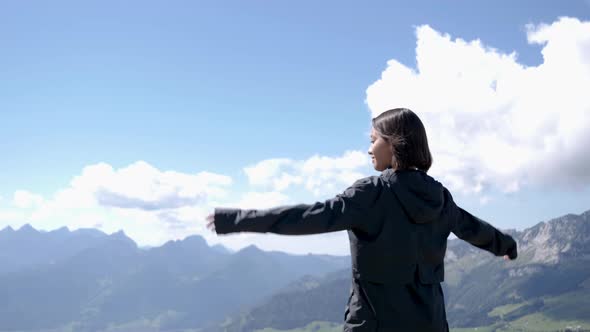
(211, 222)
(512, 253)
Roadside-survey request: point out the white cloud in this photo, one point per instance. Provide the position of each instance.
(12, 217)
(491, 120)
(142, 186)
(320, 175)
(24, 199)
(264, 172)
(150, 205)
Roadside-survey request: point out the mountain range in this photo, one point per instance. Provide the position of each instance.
(86, 280)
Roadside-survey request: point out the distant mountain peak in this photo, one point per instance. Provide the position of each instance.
(7, 229)
(27, 228)
(121, 236)
(63, 229)
(195, 238)
(250, 249)
(90, 231)
(551, 241)
(119, 233)
(191, 241)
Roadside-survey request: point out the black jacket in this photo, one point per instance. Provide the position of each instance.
(398, 224)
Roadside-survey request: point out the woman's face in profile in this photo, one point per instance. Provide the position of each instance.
(380, 151)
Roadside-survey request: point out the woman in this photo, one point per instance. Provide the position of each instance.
(398, 224)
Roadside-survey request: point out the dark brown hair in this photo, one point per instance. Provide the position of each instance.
(402, 128)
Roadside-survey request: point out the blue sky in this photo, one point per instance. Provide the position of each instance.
(189, 87)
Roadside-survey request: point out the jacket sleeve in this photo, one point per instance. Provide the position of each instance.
(478, 232)
(345, 211)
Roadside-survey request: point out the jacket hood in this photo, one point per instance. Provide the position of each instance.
(421, 196)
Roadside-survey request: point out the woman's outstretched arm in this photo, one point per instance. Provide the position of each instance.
(478, 232)
(345, 211)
